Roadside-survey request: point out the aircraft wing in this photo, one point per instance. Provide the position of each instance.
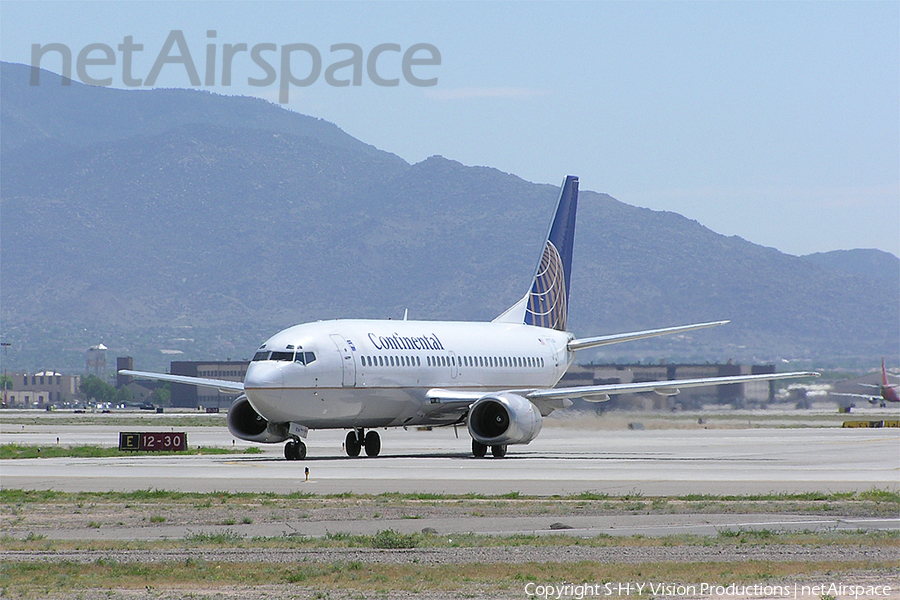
(601, 393)
(227, 387)
(618, 338)
(457, 402)
(870, 398)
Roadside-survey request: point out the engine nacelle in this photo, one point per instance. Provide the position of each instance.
(501, 419)
(246, 424)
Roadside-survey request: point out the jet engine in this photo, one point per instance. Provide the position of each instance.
(501, 419)
(246, 424)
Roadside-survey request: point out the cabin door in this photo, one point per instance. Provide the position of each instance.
(348, 366)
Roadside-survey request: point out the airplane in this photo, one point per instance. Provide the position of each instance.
(887, 392)
(496, 378)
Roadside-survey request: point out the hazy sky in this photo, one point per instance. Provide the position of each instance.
(777, 122)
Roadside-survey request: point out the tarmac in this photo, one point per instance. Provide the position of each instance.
(561, 461)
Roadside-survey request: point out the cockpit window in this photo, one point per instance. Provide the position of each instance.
(261, 355)
(304, 358)
(286, 356)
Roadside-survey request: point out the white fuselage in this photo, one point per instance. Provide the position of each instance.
(368, 373)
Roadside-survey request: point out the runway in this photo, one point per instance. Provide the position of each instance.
(561, 461)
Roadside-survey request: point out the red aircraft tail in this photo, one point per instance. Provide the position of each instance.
(887, 391)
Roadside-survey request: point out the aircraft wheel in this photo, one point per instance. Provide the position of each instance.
(373, 443)
(498, 451)
(479, 450)
(352, 444)
(295, 450)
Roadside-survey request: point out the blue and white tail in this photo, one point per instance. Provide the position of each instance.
(547, 302)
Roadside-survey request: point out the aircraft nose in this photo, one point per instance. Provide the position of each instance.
(265, 381)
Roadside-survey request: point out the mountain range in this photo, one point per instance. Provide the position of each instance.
(184, 224)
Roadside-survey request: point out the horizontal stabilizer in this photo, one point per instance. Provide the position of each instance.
(227, 387)
(618, 338)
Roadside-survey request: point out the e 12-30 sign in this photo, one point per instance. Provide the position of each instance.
(153, 442)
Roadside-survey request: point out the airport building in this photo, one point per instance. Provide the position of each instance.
(736, 394)
(95, 361)
(190, 396)
(40, 390)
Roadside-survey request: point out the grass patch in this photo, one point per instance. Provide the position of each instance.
(223, 537)
(392, 540)
(389, 539)
(13, 495)
(37, 580)
(16, 451)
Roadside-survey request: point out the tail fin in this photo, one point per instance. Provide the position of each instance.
(546, 304)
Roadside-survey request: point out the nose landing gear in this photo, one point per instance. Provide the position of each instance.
(359, 439)
(295, 450)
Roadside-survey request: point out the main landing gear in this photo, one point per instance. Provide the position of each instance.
(295, 450)
(479, 450)
(358, 438)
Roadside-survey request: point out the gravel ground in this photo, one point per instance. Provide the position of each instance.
(486, 555)
(85, 519)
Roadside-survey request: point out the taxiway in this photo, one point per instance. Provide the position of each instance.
(561, 461)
